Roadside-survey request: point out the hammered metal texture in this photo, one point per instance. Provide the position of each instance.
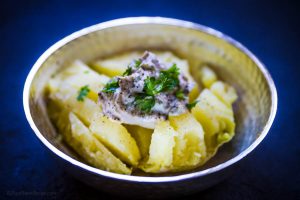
(252, 110)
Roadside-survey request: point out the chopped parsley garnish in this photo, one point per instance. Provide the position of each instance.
(83, 92)
(137, 63)
(191, 105)
(167, 80)
(172, 71)
(128, 71)
(179, 94)
(144, 103)
(111, 86)
(152, 86)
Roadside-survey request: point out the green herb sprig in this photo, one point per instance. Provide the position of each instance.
(144, 103)
(137, 63)
(83, 92)
(127, 72)
(129, 69)
(179, 94)
(191, 105)
(167, 80)
(111, 86)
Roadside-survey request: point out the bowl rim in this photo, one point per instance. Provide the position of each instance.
(148, 20)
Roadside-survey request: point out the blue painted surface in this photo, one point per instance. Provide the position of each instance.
(269, 29)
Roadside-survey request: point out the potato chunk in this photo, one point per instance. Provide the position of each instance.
(76, 76)
(78, 136)
(161, 149)
(115, 136)
(194, 93)
(216, 119)
(84, 109)
(169, 57)
(142, 137)
(64, 89)
(176, 145)
(116, 65)
(224, 92)
(208, 77)
(190, 150)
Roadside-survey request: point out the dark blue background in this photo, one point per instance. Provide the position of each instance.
(269, 29)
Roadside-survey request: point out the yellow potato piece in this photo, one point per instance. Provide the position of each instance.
(116, 65)
(181, 143)
(208, 76)
(84, 109)
(194, 92)
(115, 136)
(190, 150)
(142, 137)
(65, 86)
(224, 92)
(216, 119)
(169, 57)
(78, 136)
(161, 149)
(76, 76)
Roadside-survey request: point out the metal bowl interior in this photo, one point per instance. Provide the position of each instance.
(254, 110)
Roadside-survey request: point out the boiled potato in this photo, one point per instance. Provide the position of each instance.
(142, 137)
(161, 149)
(169, 57)
(224, 92)
(180, 143)
(76, 76)
(84, 109)
(216, 119)
(116, 65)
(176, 145)
(208, 76)
(86, 145)
(87, 110)
(190, 149)
(66, 94)
(65, 86)
(194, 92)
(115, 136)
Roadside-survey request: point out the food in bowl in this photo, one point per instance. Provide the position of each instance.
(141, 111)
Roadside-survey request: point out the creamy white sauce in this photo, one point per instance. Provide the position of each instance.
(121, 104)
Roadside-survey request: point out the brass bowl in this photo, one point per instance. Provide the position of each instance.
(254, 111)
